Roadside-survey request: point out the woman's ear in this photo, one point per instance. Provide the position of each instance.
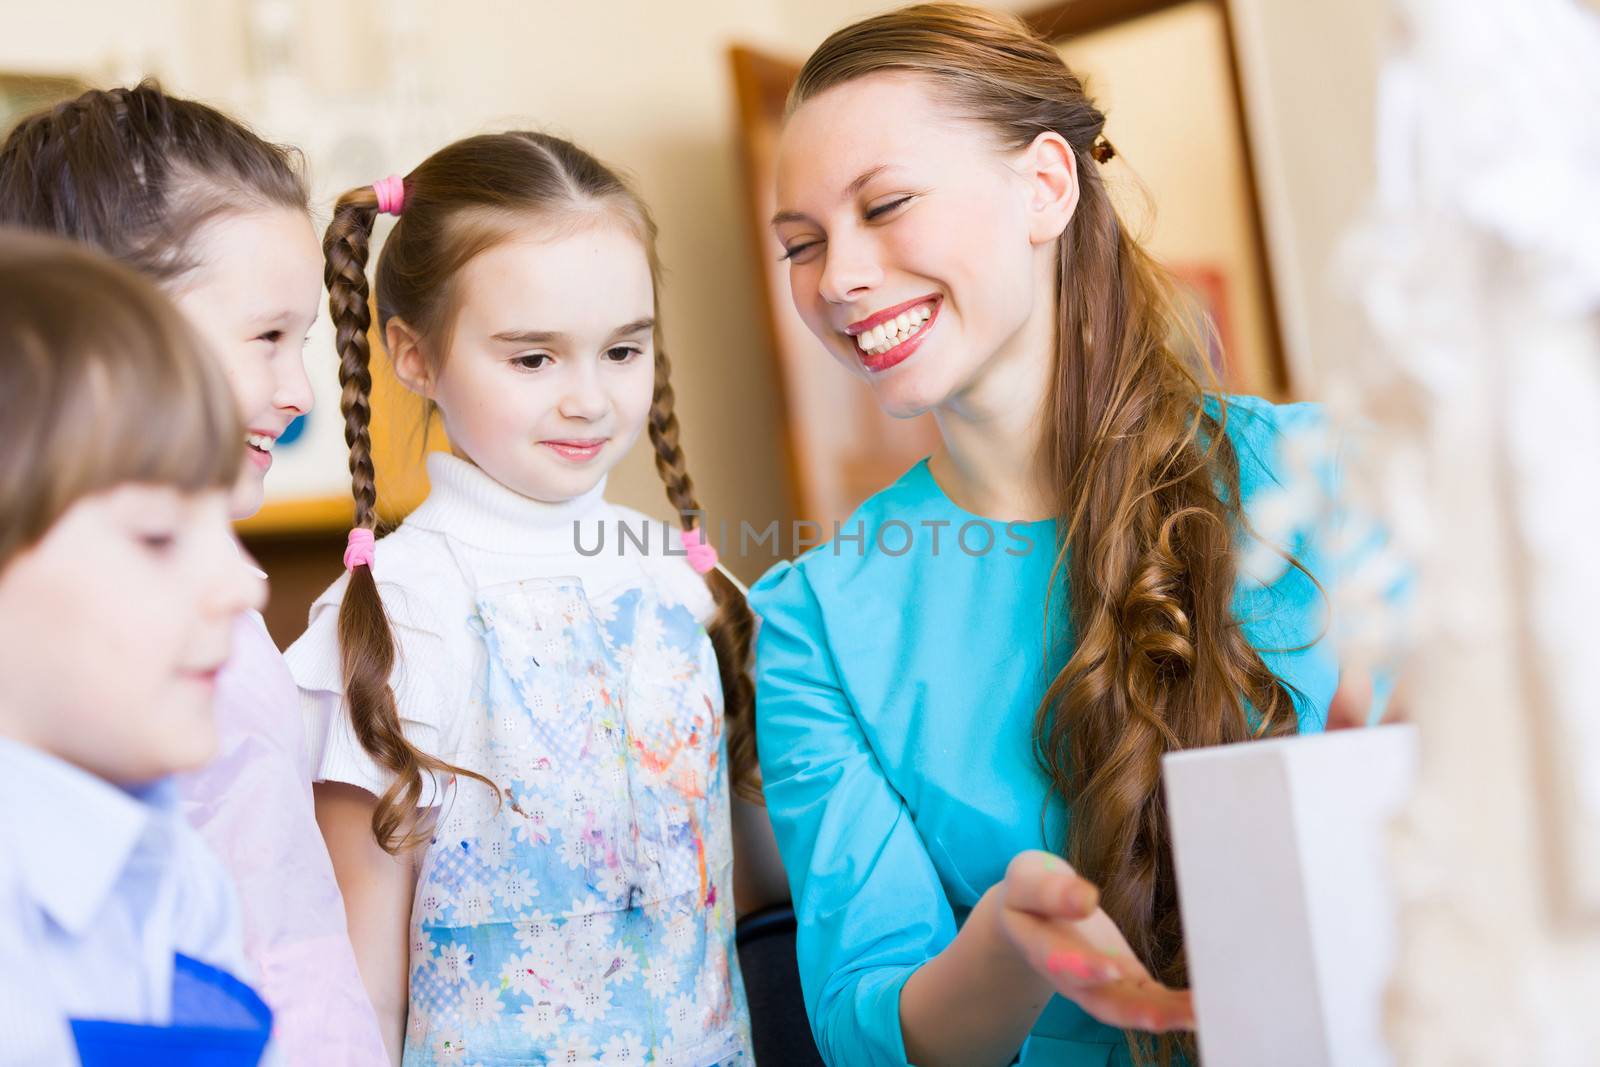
(1049, 166)
(405, 355)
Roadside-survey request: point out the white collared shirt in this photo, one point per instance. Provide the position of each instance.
(99, 887)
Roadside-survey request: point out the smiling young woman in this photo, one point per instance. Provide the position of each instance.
(936, 728)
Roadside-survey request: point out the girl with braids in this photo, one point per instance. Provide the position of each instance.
(524, 767)
(218, 218)
(941, 726)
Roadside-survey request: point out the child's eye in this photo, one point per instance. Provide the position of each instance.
(531, 361)
(272, 337)
(621, 353)
(793, 252)
(883, 209)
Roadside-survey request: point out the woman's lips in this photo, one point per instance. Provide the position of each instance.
(879, 318)
(913, 333)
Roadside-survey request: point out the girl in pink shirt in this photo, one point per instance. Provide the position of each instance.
(219, 218)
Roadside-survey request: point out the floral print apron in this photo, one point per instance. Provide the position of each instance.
(587, 917)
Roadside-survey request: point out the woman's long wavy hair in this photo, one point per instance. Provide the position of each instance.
(1143, 477)
(459, 202)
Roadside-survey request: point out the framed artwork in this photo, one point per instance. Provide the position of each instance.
(1164, 72)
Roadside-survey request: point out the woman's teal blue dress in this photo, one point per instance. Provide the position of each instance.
(897, 681)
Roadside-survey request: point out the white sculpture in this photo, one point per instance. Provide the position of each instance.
(1479, 272)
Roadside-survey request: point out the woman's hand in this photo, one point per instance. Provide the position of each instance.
(1052, 918)
(1351, 704)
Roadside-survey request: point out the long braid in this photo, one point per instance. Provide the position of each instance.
(345, 249)
(366, 642)
(732, 629)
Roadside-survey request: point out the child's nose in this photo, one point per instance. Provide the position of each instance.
(584, 399)
(294, 388)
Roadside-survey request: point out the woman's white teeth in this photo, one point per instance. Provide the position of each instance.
(895, 331)
(261, 441)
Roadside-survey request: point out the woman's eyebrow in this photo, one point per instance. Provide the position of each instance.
(849, 192)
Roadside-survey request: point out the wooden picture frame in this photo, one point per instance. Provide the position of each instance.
(839, 447)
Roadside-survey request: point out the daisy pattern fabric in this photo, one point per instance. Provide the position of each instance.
(585, 915)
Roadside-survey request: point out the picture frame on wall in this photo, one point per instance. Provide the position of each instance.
(1166, 75)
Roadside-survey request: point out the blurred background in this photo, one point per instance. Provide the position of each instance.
(1248, 122)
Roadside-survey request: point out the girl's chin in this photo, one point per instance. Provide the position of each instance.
(559, 485)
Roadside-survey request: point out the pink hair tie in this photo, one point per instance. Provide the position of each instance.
(391, 194)
(358, 549)
(702, 557)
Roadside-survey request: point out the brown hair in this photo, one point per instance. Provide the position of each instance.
(1143, 477)
(137, 173)
(459, 202)
(102, 382)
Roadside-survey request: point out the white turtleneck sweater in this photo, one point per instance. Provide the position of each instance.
(498, 536)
